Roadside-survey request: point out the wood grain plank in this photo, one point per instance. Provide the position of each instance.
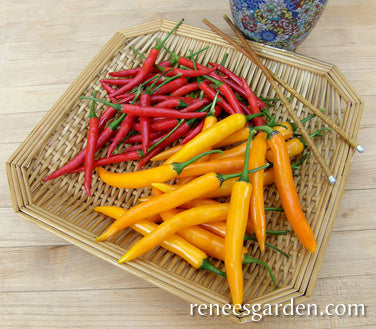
(79, 308)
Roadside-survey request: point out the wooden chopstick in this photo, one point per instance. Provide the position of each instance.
(254, 58)
(350, 140)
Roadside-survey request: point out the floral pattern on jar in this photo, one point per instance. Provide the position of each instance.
(278, 23)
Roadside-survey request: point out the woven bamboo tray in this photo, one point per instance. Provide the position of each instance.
(62, 207)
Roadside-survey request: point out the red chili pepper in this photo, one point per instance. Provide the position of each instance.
(118, 158)
(170, 103)
(116, 82)
(126, 98)
(253, 106)
(245, 109)
(187, 73)
(188, 63)
(227, 72)
(106, 87)
(159, 112)
(133, 72)
(178, 133)
(91, 143)
(79, 159)
(171, 86)
(130, 72)
(195, 106)
(124, 129)
(137, 138)
(164, 125)
(160, 98)
(186, 89)
(109, 90)
(239, 89)
(234, 86)
(193, 133)
(145, 123)
(105, 117)
(228, 94)
(210, 93)
(147, 66)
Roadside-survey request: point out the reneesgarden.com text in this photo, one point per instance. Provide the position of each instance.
(258, 311)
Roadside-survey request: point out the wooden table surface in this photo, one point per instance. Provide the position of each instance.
(47, 283)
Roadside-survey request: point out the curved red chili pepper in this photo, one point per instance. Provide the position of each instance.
(227, 72)
(118, 158)
(188, 63)
(196, 105)
(91, 143)
(141, 75)
(210, 93)
(241, 91)
(169, 103)
(193, 133)
(145, 123)
(147, 66)
(184, 73)
(159, 112)
(186, 89)
(105, 117)
(230, 97)
(116, 82)
(171, 86)
(164, 125)
(79, 159)
(124, 129)
(179, 132)
(133, 72)
(106, 87)
(137, 138)
(253, 106)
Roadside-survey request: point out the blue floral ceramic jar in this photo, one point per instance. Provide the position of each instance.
(279, 23)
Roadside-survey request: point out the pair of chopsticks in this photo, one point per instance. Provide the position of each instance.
(273, 80)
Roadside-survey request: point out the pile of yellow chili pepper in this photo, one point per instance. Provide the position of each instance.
(227, 158)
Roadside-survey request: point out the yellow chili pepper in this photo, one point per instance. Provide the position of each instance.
(143, 178)
(235, 230)
(182, 194)
(218, 228)
(198, 202)
(210, 121)
(221, 166)
(224, 190)
(164, 155)
(186, 218)
(239, 136)
(167, 153)
(193, 255)
(212, 244)
(257, 210)
(240, 149)
(206, 139)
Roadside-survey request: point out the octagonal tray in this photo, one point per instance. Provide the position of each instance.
(62, 207)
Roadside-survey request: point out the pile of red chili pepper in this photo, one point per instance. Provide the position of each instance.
(225, 149)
